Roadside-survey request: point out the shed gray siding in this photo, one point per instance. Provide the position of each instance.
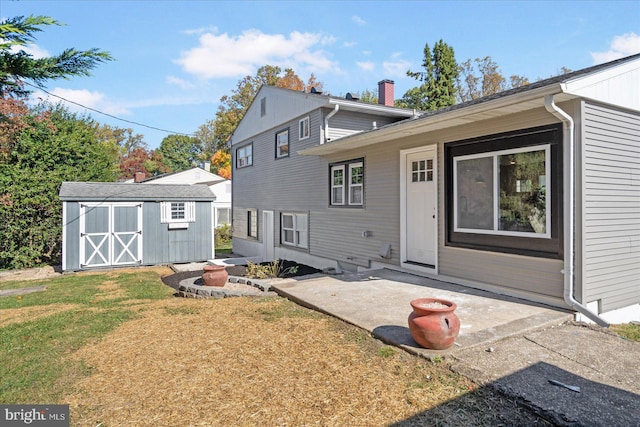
(160, 245)
(611, 206)
(71, 229)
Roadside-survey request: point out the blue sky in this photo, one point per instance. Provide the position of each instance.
(175, 59)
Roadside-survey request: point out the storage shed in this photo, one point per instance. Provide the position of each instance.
(107, 224)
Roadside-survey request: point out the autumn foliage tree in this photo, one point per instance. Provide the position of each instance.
(142, 160)
(221, 164)
(482, 77)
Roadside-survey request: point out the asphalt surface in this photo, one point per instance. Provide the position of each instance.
(571, 374)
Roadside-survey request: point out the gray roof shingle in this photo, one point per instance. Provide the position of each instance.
(120, 191)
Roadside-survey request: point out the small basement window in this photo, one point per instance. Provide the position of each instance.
(294, 227)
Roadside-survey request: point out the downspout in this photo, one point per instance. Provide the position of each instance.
(326, 123)
(568, 143)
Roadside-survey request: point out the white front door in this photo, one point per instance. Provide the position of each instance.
(420, 208)
(267, 236)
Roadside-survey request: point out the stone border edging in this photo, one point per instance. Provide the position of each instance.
(188, 289)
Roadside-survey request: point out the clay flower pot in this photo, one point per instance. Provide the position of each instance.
(433, 324)
(214, 275)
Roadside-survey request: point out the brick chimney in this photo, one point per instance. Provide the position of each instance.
(385, 93)
(139, 177)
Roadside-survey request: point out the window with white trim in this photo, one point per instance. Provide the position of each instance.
(347, 183)
(294, 229)
(171, 212)
(503, 192)
(356, 181)
(252, 223)
(223, 216)
(303, 129)
(337, 185)
(244, 156)
(282, 144)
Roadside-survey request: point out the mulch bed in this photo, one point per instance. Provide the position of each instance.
(174, 280)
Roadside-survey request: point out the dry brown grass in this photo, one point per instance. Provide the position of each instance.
(24, 314)
(259, 362)
(227, 362)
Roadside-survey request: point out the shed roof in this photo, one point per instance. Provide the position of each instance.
(132, 192)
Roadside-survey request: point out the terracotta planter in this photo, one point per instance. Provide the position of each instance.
(433, 324)
(215, 275)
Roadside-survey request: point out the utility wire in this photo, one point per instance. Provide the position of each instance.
(107, 114)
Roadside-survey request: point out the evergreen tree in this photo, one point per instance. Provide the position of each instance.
(438, 80)
(17, 66)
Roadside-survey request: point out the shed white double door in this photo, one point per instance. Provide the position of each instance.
(110, 234)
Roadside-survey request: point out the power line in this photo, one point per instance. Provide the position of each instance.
(107, 114)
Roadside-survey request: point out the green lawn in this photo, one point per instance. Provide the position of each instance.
(629, 331)
(74, 311)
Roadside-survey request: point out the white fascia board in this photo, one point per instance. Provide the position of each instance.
(366, 107)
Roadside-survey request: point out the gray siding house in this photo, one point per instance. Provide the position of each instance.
(125, 224)
(533, 192)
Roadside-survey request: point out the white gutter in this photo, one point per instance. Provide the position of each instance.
(326, 123)
(568, 208)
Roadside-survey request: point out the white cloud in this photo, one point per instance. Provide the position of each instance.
(220, 56)
(358, 20)
(80, 98)
(397, 68)
(621, 46)
(181, 83)
(349, 44)
(366, 66)
(32, 49)
(201, 30)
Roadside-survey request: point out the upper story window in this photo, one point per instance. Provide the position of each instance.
(303, 128)
(347, 183)
(244, 156)
(282, 144)
(263, 107)
(177, 212)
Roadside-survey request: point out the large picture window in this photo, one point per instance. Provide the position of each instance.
(504, 192)
(347, 183)
(294, 229)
